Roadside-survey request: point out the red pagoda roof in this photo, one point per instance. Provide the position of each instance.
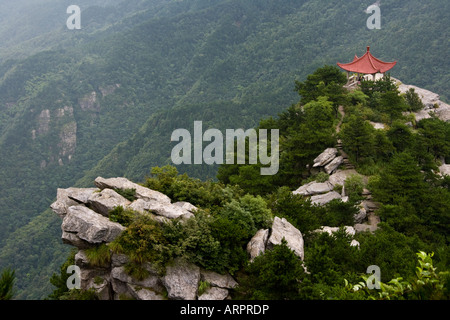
(367, 64)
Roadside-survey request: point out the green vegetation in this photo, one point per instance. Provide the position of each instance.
(231, 210)
(159, 65)
(426, 285)
(7, 279)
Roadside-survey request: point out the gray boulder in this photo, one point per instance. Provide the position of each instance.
(152, 282)
(281, 228)
(181, 280)
(218, 280)
(186, 206)
(360, 216)
(257, 244)
(325, 157)
(70, 197)
(322, 199)
(140, 293)
(106, 200)
(167, 210)
(85, 224)
(333, 165)
(339, 176)
(314, 188)
(214, 293)
(123, 183)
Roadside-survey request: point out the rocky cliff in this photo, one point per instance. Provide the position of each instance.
(85, 225)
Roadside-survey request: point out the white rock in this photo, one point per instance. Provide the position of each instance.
(70, 197)
(444, 169)
(333, 165)
(181, 280)
(89, 226)
(322, 199)
(106, 200)
(354, 243)
(281, 228)
(167, 210)
(214, 293)
(330, 230)
(123, 183)
(325, 157)
(257, 244)
(313, 188)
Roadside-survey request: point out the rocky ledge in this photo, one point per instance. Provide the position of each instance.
(86, 224)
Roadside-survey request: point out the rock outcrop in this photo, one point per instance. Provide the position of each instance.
(281, 229)
(86, 225)
(321, 193)
(431, 101)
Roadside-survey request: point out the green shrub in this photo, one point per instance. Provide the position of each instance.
(99, 255)
(123, 216)
(276, 274)
(129, 194)
(354, 185)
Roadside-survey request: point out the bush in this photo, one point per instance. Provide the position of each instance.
(274, 275)
(123, 216)
(354, 185)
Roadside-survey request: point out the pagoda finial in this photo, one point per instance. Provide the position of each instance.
(368, 48)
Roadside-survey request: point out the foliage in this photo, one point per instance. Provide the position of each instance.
(228, 63)
(60, 281)
(354, 186)
(413, 100)
(7, 279)
(427, 284)
(326, 81)
(205, 194)
(129, 194)
(99, 255)
(274, 275)
(123, 216)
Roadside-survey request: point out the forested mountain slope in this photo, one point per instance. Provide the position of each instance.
(105, 100)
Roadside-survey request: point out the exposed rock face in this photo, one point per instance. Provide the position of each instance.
(167, 210)
(432, 103)
(86, 225)
(339, 176)
(349, 230)
(330, 230)
(106, 200)
(325, 157)
(68, 139)
(214, 293)
(89, 102)
(322, 199)
(281, 228)
(333, 165)
(81, 224)
(257, 244)
(181, 280)
(141, 192)
(218, 280)
(314, 188)
(444, 169)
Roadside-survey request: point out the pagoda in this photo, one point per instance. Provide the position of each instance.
(367, 64)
